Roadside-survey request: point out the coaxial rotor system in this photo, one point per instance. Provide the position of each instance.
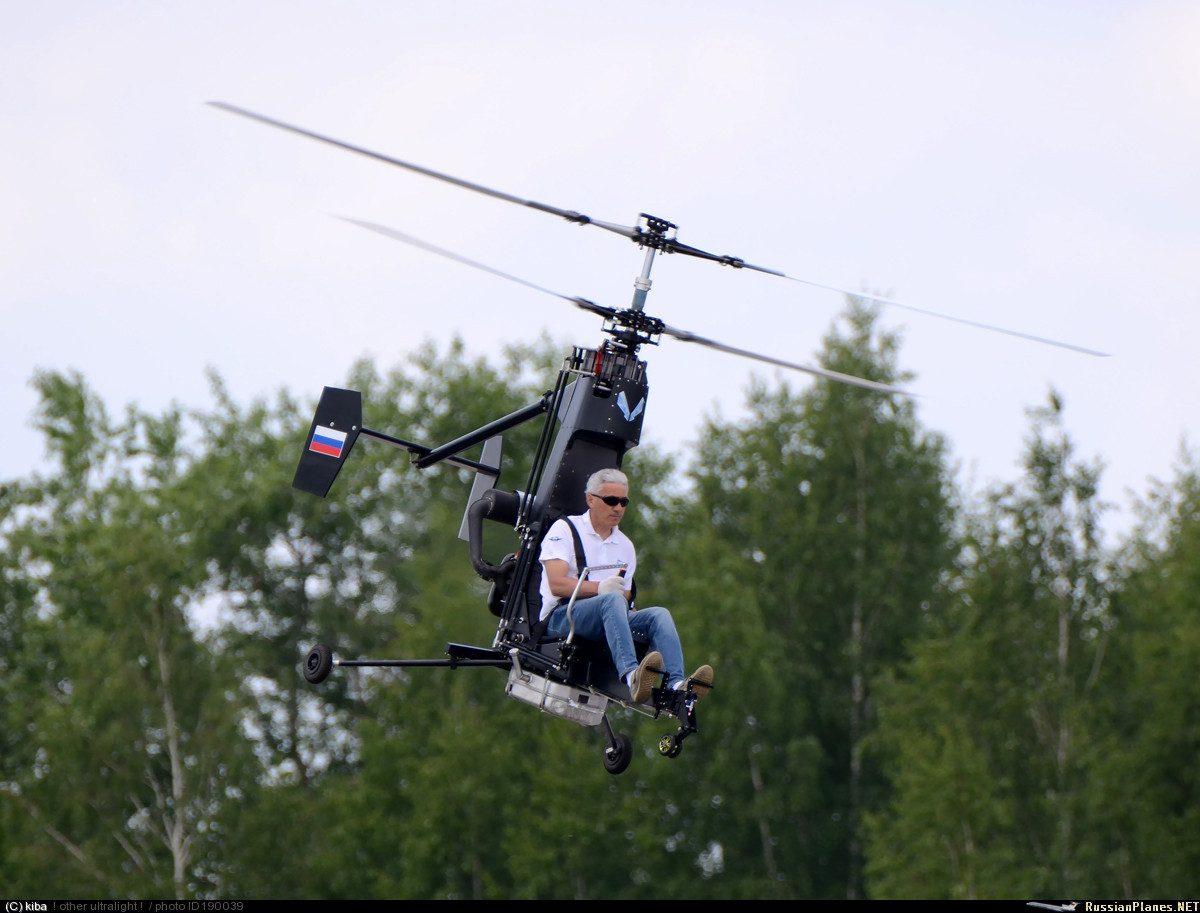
(630, 327)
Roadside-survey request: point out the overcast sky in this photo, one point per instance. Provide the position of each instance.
(1032, 165)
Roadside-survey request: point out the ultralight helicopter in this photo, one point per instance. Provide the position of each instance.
(590, 419)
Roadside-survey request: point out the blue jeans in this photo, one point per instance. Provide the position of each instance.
(608, 618)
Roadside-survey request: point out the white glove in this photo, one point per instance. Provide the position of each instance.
(613, 584)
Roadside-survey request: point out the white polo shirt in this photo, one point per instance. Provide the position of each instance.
(559, 545)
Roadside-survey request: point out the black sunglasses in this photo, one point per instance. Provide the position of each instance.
(613, 500)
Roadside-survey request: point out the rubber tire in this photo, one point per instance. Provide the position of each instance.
(670, 745)
(616, 760)
(318, 664)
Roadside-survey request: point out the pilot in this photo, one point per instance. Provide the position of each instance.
(602, 608)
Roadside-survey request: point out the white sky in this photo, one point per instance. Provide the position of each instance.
(1029, 164)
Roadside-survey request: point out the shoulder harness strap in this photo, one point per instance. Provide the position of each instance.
(580, 557)
(539, 627)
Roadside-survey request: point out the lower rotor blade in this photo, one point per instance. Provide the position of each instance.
(467, 261)
(687, 336)
(682, 335)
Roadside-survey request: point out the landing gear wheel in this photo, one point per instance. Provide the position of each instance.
(670, 745)
(617, 756)
(318, 664)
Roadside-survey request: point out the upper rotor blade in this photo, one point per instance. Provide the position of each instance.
(467, 261)
(569, 215)
(687, 336)
(970, 323)
(675, 247)
(667, 245)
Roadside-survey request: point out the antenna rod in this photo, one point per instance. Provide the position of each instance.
(641, 285)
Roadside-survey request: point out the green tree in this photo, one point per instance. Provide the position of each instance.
(810, 553)
(1146, 800)
(124, 751)
(987, 728)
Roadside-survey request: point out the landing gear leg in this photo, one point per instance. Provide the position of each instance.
(681, 705)
(618, 752)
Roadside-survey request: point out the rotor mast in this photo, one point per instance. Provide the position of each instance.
(654, 238)
(641, 284)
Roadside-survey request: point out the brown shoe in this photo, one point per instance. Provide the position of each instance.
(701, 680)
(643, 678)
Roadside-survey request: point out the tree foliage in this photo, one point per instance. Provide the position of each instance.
(1147, 785)
(989, 725)
(913, 698)
(821, 524)
(125, 756)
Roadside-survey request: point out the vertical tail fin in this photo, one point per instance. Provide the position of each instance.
(335, 428)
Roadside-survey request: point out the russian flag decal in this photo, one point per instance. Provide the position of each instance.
(327, 441)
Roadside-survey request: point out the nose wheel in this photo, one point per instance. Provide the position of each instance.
(670, 745)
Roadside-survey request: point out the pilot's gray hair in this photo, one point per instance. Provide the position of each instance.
(600, 478)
